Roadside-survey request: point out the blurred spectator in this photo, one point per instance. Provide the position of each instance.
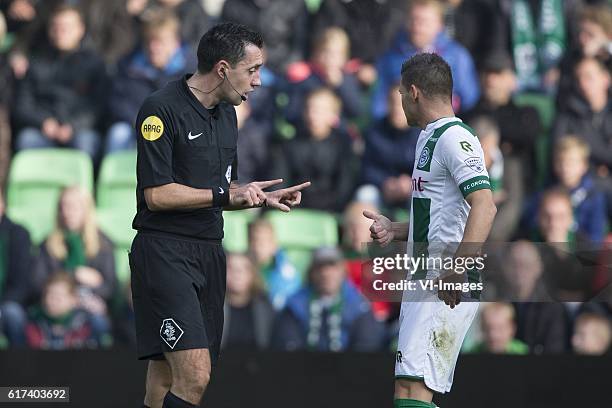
(567, 277)
(280, 276)
(424, 32)
(254, 140)
(518, 126)
(506, 177)
(249, 316)
(59, 101)
(124, 328)
(488, 135)
(592, 334)
(475, 25)
(194, 21)
(590, 116)
(388, 159)
(498, 330)
(6, 94)
(571, 166)
(537, 34)
(160, 59)
(522, 274)
(320, 153)
(517, 276)
(571, 170)
(15, 277)
(283, 24)
(327, 67)
(112, 27)
(355, 237)
(370, 25)
(328, 314)
(58, 323)
(77, 246)
(593, 40)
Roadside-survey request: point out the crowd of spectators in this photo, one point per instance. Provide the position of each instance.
(73, 74)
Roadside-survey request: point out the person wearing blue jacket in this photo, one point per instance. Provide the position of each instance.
(388, 159)
(161, 58)
(425, 33)
(328, 314)
(571, 169)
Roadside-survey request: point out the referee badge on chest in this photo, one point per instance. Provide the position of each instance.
(228, 173)
(170, 332)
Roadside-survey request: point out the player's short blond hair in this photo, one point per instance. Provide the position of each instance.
(332, 35)
(572, 143)
(600, 15)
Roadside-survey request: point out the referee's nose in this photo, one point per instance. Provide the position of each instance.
(256, 80)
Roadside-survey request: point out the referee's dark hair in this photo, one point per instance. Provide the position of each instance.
(225, 41)
(430, 74)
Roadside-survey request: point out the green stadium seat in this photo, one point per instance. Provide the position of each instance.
(117, 225)
(35, 181)
(122, 266)
(306, 229)
(117, 181)
(545, 105)
(235, 230)
(301, 231)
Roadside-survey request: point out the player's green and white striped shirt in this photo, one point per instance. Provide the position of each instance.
(449, 165)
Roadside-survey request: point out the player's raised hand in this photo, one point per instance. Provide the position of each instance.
(381, 229)
(252, 194)
(286, 198)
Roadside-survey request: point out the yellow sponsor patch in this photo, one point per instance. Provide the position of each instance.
(152, 128)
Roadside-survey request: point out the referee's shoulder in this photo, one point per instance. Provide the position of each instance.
(161, 101)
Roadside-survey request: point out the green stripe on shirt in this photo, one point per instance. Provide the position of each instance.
(474, 184)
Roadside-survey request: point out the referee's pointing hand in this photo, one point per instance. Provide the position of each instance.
(286, 198)
(251, 195)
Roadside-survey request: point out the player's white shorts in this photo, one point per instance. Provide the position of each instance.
(430, 337)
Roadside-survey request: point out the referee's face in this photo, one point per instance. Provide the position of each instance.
(244, 77)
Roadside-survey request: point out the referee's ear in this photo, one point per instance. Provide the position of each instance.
(222, 68)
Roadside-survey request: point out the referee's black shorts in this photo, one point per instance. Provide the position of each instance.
(178, 288)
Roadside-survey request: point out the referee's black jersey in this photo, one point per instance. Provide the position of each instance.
(180, 141)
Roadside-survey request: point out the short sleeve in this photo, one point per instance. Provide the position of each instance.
(155, 140)
(462, 155)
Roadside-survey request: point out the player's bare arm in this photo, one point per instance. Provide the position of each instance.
(383, 231)
(477, 228)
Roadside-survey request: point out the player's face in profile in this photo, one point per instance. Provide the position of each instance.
(408, 105)
(244, 76)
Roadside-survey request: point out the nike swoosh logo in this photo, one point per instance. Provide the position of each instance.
(221, 191)
(191, 137)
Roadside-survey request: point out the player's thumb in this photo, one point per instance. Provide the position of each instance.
(371, 215)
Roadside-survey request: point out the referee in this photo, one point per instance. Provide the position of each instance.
(187, 171)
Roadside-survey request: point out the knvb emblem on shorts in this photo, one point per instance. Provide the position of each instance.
(170, 332)
(228, 173)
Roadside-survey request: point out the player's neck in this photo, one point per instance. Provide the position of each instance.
(205, 87)
(434, 112)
